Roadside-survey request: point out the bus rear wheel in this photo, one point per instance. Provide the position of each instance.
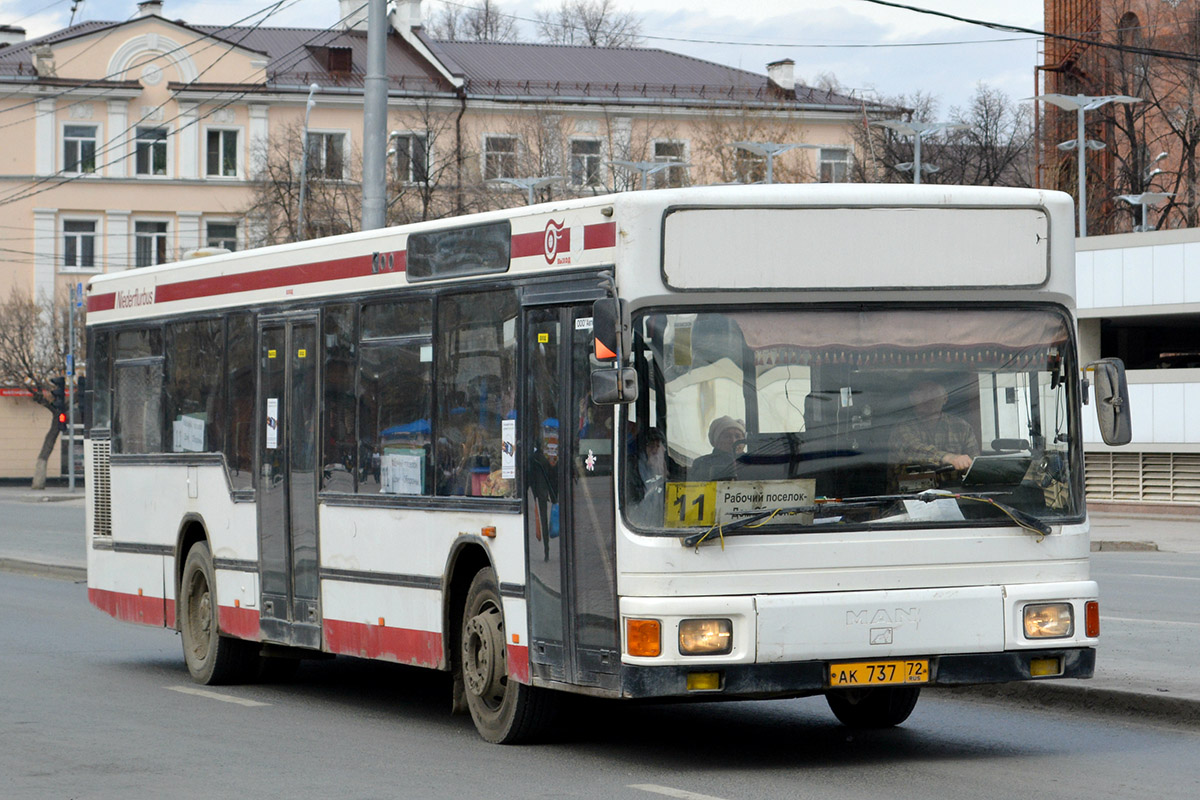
(878, 707)
(504, 711)
(212, 659)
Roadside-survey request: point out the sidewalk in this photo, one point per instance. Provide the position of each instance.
(1143, 668)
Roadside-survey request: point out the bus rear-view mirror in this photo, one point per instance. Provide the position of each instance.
(1112, 400)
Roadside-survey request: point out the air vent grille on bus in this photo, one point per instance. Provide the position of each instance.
(1143, 477)
(101, 487)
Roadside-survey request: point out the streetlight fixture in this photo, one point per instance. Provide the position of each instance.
(1082, 103)
(769, 150)
(647, 168)
(530, 185)
(1146, 200)
(313, 88)
(917, 130)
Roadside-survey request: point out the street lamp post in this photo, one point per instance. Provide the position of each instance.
(917, 130)
(769, 150)
(647, 168)
(313, 88)
(1080, 104)
(530, 185)
(1146, 200)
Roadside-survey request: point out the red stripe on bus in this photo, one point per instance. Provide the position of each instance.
(602, 234)
(418, 648)
(102, 302)
(518, 663)
(528, 244)
(317, 272)
(239, 622)
(130, 607)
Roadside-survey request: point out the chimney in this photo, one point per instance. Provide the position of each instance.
(783, 74)
(11, 34)
(150, 8)
(406, 14)
(352, 14)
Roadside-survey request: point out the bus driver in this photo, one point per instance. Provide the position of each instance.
(932, 437)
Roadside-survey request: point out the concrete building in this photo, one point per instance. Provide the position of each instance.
(127, 144)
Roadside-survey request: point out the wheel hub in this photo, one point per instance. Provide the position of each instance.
(483, 654)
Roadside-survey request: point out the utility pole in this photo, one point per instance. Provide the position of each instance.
(375, 86)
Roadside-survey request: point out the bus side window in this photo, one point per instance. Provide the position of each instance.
(477, 378)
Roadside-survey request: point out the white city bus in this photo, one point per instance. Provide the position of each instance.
(666, 444)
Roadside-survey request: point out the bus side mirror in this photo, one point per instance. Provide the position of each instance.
(614, 382)
(614, 386)
(610, 335)
(1112, 400)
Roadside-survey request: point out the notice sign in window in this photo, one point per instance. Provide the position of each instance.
(272, 423)
(737, 500)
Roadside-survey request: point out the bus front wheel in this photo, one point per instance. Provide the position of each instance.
(878, 707)
(504, 711)
(212, 659)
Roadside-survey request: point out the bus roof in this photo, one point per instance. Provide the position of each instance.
(564, 235)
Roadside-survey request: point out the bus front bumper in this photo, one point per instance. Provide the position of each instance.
(797, 679)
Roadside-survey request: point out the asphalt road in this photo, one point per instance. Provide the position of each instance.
(94, 708)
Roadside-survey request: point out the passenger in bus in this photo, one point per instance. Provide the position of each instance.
(727, 436)
(932, 438)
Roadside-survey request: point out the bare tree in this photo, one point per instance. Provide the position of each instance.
(716, 160)
(427, 165)
(483, 21)
(995, 148)
(33, 343)
(333, 195)
(597, 23)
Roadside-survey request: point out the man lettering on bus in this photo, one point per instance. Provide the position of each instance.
(933, 438)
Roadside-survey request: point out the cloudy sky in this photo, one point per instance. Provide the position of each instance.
(868, 47)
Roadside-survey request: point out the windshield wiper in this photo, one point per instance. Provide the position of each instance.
(1023, 519)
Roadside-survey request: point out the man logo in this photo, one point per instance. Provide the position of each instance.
(881, 635)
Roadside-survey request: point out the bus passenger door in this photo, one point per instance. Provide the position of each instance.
(566, 443)
(287, 480)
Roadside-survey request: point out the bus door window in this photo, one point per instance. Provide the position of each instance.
(541, 428)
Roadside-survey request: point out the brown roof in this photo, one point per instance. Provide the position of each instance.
(298, 56)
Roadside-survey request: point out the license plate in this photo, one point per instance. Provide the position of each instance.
(879, 673)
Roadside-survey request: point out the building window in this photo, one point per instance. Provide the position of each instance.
(835, 165)
(222, 234)
(150, 243)
(79, 148)
(412, 158)
(585, 162)
(327, 155)
(499, 157)
(79, 244)
(150, 151)
(222, 151)
(671, 176)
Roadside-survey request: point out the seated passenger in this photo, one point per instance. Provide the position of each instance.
(932, 438)
(727, 436)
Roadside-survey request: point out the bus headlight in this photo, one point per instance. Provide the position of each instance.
(705, 637)
(1049, 621)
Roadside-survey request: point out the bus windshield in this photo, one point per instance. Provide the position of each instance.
(851, 416)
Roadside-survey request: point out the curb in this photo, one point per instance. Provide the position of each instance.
(57, 571)
(1123, 546)
(1146, 706)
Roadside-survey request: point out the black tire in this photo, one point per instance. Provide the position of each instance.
(504, 711)
(879, 707)
(212, 659)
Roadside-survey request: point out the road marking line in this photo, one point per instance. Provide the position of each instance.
(683, 794)
(1143, 621)
(1155, 577)
(241, 701)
